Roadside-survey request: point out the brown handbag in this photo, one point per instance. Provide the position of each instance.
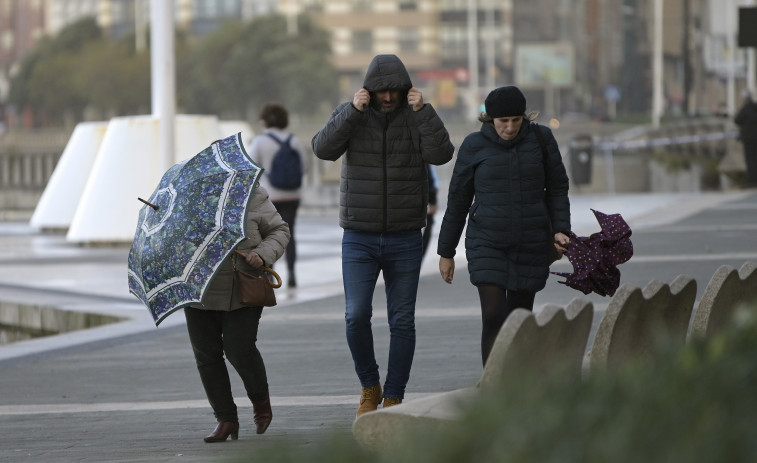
(256, 289)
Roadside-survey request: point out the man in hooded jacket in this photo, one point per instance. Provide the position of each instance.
(386, 135)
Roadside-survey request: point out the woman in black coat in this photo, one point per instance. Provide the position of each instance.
(510, 183)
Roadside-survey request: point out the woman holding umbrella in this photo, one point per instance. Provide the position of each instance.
(515, 198)
(223, 325)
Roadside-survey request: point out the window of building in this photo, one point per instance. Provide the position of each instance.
(453, 4)
(7, 40)
(231, 8)
(408, 5)
(454, 42)
(408, 39)
(362, 41)
(362, 5)
(206, 8)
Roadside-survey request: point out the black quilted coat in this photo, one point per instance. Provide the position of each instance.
(384, 184)
(499, 185)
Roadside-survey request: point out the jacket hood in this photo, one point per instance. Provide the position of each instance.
(387, 72)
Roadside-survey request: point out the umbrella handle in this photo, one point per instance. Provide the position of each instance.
(266, 269)
(149, 203)
(276, 275)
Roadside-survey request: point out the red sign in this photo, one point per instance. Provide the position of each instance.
(458, 74)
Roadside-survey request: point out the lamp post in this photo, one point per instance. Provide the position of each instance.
(657, 65)
(473, 57)
(163, 78)
(750, 63)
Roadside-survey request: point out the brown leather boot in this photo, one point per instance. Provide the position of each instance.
(369, 399)
(223, 431)
(263, 415)
(391, 401)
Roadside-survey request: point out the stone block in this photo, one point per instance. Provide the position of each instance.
(386, 425)
(538, 343)
(637, 322)
(526, 344)
(727, 290)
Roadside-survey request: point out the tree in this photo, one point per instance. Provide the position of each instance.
(230, 72)
(45, 77)
(239, 68)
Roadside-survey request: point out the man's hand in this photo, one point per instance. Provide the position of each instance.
(415, 99)
(361, 100)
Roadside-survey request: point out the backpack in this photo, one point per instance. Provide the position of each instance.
(286, 169)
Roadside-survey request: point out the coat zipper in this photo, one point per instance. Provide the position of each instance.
(385, 186)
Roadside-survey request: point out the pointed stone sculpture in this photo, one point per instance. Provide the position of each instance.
(727, 290)
(638, 321)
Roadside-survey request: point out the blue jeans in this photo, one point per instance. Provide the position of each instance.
(398, 255)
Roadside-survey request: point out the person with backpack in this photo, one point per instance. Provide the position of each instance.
(746, 119)
(284, 160)
(384, 137)
(510, 183)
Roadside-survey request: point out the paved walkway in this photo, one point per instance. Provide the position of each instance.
(130, 391)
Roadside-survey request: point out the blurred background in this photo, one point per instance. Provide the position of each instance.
(640, 93)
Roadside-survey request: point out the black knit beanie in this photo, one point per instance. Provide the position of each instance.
(505, 102)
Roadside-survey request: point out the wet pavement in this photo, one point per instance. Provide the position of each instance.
(130, 391)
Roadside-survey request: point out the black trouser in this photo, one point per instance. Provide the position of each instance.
(496, 305)
(288, 212)
(213, 333)
(750, 156)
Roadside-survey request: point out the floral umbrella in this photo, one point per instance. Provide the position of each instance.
(595, 258)
(192, 221)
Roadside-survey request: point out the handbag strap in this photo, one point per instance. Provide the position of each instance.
(542, 146)
(273, 285)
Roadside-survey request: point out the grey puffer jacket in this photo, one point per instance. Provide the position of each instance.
(499, 185)
(267, 234)
(384, 184)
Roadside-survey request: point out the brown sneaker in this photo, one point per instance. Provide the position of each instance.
(391, 401)
(369, 399)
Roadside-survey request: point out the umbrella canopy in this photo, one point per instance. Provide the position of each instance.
(189, 225)
(595, 258)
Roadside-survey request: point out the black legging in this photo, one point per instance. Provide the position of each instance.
(496, 305)
(288, 212)
(215, 333)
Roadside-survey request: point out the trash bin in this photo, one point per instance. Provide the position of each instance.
(580, 158)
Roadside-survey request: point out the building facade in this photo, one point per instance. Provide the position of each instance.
(589, 56)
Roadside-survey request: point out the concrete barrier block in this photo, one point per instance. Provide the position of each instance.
(727, 290)
(387, 425)
(538, 343)
(638, 321)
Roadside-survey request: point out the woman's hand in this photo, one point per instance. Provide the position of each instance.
(254, 260)
(447, 268)
(561, 242)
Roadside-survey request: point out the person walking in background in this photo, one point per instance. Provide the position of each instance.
(746, 119)
(385, 136)
(433, 190)
(223, 325)
(285, 194)
(516, 203)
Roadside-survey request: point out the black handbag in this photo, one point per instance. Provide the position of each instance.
(256, 289)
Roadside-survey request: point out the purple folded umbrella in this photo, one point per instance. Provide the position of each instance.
(595, 258)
